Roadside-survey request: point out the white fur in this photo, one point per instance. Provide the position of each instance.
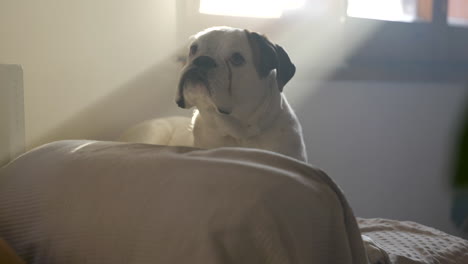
(259, 115)
(171, 131)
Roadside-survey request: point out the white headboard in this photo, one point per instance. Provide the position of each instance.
(12, 138)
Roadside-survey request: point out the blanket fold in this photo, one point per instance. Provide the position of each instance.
(106, 202)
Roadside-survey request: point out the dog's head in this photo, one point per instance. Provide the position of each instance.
(232, 71)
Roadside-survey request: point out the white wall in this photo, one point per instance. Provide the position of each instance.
(390, 146)
(91, 67)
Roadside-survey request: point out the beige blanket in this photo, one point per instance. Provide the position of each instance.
(104, 202)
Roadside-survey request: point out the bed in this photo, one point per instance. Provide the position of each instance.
(102, 202)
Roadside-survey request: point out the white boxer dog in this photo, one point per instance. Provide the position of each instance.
(235, 78)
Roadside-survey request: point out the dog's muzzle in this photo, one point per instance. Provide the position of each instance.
(196, 74)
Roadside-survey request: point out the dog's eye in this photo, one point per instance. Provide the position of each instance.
(193, 49)
(237, 59)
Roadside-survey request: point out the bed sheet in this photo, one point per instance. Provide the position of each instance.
(405, 242)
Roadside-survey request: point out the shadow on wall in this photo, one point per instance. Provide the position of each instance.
(397, 138)
(150, 94)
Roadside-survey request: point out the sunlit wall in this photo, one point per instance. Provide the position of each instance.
(81, 59)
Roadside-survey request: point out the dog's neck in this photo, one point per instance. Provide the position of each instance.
(267, 111)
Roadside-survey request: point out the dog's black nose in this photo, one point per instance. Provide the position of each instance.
(181, 102)
(204, 62)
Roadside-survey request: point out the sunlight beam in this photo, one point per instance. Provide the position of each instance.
(249, 8)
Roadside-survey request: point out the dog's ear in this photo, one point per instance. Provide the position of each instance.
(268, 56)
(286, 68)
(264, 53)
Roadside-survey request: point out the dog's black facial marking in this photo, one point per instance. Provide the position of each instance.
(224, 112)
(229, 78)
(194, 76)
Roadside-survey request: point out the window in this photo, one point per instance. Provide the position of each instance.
(457, 12)
(249, 8)
(391, 10)
(432, 46)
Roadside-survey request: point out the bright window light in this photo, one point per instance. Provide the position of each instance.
(392, 10)
(249, 8)
(458, 13)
